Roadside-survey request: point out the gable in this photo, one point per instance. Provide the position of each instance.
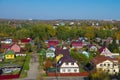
(15, 48)
(107, 61)
(104, 62)
(106, 51)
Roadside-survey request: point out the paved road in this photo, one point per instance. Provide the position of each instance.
(65, 78)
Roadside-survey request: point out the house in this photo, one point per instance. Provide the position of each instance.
(92, 47)
(109, 40)
(6, 41)
(20, 54)
(76, 44)
(9, 54)
(51, 48)
(68, 65)
(52, 43)
(65, 63)
(84, 41)
(27, 40)
(15, 47)
(50, 53)
(98, 40)
(5, 46)
(85, 53)
(104, 51)
(22, 42)
(107, 64)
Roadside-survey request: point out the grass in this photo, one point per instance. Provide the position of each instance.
(23, 74)
(18, 61)
(81, 69)
(25, 67)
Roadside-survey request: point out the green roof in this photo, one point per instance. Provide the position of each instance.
(9, 52)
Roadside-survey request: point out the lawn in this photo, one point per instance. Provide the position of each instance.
(22, 61)
(17, 61)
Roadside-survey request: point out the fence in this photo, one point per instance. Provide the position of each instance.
(51, 74)
(4, 77)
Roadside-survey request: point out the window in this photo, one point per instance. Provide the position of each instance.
(66, 63)
(63, 70)
(114, 70)
(100, 64)
(108, 64)
(115, 64)
(72, 63)
(69, 70)
(75, 70)
(104, 64)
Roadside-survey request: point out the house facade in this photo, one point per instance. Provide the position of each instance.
(50, 53)
(6, 41)
(22, 42)
(93, 48)
(106, 64)
(69, 67)
(9, 54)
(16, 48)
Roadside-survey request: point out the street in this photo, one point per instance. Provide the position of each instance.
(66, 78)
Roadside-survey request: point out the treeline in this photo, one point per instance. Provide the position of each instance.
(44, 32)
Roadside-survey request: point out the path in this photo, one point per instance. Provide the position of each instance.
(33, 72)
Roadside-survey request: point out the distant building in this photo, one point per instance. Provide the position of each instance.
(76, 44)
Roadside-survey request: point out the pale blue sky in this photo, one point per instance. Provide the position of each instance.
(60, 9)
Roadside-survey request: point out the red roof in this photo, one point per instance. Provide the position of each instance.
(101, 49)
(25, 40)
(5, 46)
(76, 43)
(99, 59)
(52, 43)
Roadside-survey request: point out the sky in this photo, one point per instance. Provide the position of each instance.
(60, 9)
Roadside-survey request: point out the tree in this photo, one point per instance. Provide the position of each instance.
(62, 32)
(47, 64)
(89, 33)
(113, 47)
(22, 33)
(98, 75)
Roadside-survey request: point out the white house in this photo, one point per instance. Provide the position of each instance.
(106, 64)
(93, 48)
(6, 41)
(68, 66)
(65, 63)
(50, 53)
